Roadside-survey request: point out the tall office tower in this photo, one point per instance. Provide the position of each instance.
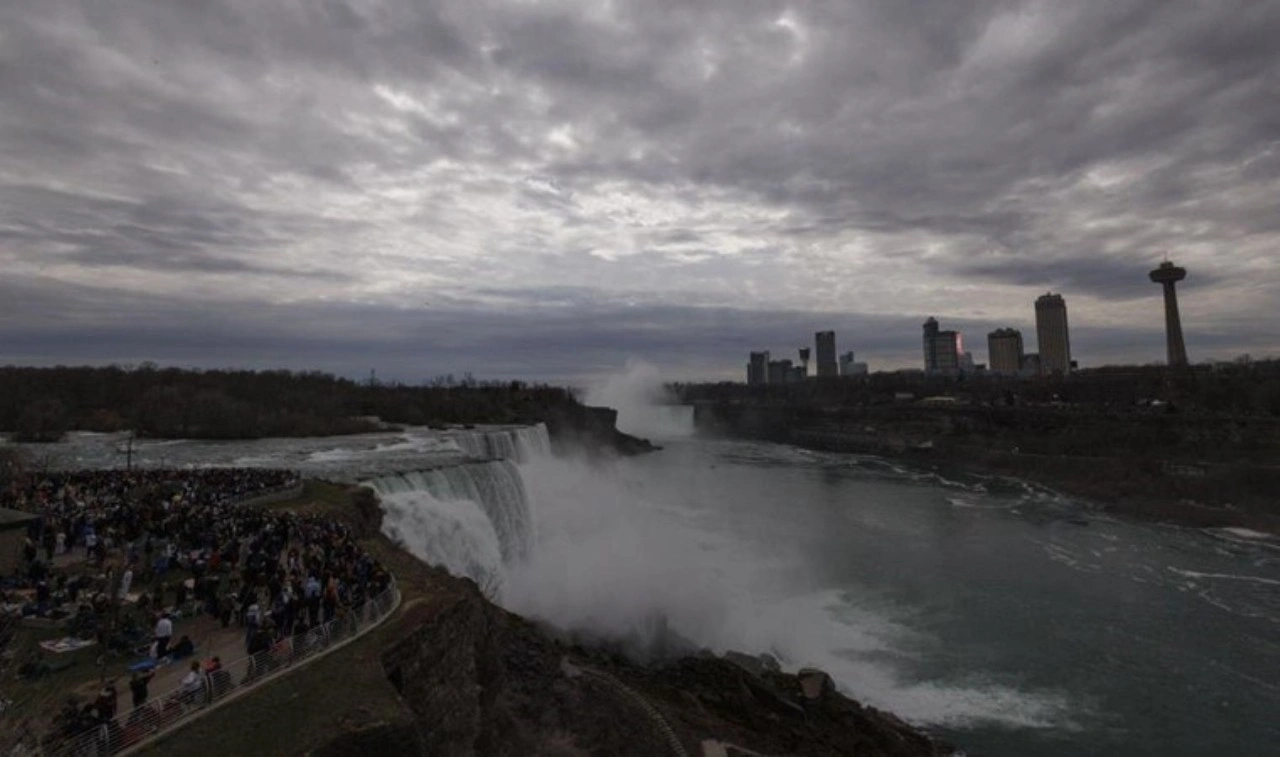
(826, 353)
(942, 349)
(804, 361)
(1004, 348)
(758, 369)
(1168, 275)
(1052, 334)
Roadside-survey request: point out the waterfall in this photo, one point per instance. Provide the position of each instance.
(520, 444)
(472, 517)
(494, 486)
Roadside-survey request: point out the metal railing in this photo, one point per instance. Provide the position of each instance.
(188, 701)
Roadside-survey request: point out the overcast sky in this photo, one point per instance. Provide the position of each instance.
(545, 189)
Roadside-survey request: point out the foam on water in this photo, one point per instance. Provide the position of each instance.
(1225, 576)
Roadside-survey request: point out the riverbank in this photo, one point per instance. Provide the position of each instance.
(1199, 472)
(452, 673)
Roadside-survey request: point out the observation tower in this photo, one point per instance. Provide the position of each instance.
(1169, 275)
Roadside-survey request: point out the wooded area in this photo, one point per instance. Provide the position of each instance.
(1247, 388)
(42, 404)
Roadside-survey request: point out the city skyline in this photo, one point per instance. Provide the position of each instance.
(544, 190)
(944, 351)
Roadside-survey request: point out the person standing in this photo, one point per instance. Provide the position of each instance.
(163, 633)
(138, 685)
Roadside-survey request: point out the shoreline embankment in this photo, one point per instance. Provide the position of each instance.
(1194, 471)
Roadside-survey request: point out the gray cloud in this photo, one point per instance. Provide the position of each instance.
(545, 188)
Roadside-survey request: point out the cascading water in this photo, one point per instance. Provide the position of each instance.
(519, 444)
(472, 517)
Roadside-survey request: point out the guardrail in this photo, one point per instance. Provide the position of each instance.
(188, 701)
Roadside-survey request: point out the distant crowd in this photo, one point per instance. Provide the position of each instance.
(161, 546)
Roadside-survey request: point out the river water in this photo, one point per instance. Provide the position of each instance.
(1003, 617)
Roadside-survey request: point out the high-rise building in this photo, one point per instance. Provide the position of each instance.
(758, 369)
(942, 349)
(1004, 350)
(804, 360)
(826, 342)
(1168, 275)
(846, 364)
(780, 372)
(1052, 334)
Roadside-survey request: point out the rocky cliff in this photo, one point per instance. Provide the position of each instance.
(594, 429)
(481, 681)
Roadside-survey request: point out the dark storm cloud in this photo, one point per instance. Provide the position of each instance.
(657, 177)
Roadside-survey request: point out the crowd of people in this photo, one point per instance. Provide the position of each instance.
(162, 546)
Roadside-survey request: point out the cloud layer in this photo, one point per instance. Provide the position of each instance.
(546, 188)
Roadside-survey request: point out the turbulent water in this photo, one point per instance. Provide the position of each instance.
(1008, 619)
(431, 510)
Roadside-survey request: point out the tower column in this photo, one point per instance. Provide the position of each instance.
(1173, 326)
(1168, 275)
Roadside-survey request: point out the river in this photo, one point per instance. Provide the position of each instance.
(1000, 616)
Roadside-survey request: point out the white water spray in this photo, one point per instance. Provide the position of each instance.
(640, 551)
(643, 403)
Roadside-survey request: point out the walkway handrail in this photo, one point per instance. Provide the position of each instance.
(186, 703)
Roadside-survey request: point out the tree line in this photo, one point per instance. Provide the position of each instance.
(42, 404)
(1244, 387)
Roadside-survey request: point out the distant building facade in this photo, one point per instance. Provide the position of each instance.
(1031, 364)
(784, 372)
(1053, 335)
(1004, 351)
(826, 349)
(850, 367)
(943, 350)
(758, 369)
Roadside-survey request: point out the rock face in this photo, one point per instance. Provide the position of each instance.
(594, 429)
(481, 681)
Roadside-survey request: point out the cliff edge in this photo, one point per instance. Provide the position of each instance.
(451, 673)
(591, 429)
